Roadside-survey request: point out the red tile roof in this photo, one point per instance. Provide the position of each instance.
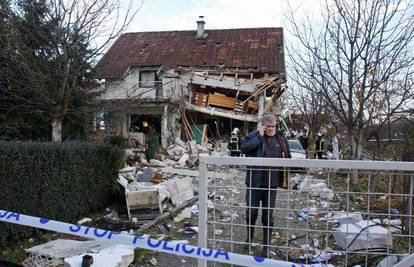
(257, 48)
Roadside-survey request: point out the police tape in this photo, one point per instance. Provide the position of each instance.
(140, 241)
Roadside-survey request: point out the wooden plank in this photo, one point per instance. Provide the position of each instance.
(251, 107)
(201, 99)
(166, 215)
(223, 113)
(264, 87)
(221, 101)
(187, 172)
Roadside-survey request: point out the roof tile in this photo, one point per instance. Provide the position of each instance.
(256, 48)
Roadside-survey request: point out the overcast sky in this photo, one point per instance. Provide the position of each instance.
(169, 15)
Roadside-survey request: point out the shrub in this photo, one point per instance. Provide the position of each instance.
(60, 181)
(115, 140)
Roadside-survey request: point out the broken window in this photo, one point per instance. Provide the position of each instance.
(147, 78)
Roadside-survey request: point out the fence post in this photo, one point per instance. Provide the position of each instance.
(410, 206)
(202, 213)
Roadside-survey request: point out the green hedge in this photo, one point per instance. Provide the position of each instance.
(60, 181)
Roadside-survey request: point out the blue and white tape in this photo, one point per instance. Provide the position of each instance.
(140, 242)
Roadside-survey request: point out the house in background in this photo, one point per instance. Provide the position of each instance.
(180, 83)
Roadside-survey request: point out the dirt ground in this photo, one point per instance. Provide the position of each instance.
(226, 223)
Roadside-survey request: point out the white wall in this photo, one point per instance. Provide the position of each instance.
(128, 88)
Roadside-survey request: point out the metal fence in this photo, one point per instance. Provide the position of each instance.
(333, 213)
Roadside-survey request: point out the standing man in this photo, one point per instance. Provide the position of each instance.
(261, 182)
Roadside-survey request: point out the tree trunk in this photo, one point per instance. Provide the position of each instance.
(57, 129)
(356, 153)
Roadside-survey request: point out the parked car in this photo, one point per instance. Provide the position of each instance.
(296, 150)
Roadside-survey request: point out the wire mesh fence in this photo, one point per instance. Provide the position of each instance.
(333, 213)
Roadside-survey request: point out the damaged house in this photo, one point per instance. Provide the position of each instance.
(194, 85)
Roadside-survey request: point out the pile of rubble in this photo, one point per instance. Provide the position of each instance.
(149, 188)
(167, 181)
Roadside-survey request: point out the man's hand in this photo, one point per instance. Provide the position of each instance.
(261, 131)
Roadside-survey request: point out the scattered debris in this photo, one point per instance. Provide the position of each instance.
(185, 214)
(191, 229)
(391, 260)
(72, 251)
(362, 235)
(195, 209)
(218, 231)
(63, 248)
(158, 163)
(343, 217)
(153, 261)
(185, 190)
(164, 228)
(84, 220)
(183, 160)
(229, 216)
(117, 256)
(316, 188)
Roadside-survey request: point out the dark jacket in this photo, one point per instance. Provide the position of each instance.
(253, 146)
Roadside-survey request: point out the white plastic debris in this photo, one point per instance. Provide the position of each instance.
(316, 188)
(348, 217)
(158, 163)
(185, 214)
(210, 204)
(84, 220)
(218, 232)
(153, 261)
(195, 209)
(170, 162)
(395, 222)
(116, 256)
(127, 169)
(185, 190)
(183, 159)
(362, 235)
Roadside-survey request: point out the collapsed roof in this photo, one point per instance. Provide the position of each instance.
(253, 49)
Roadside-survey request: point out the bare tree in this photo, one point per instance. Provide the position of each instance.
(73, 35)
(358, 58)
(310, 106)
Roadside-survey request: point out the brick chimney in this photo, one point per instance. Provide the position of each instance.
(200, 28)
